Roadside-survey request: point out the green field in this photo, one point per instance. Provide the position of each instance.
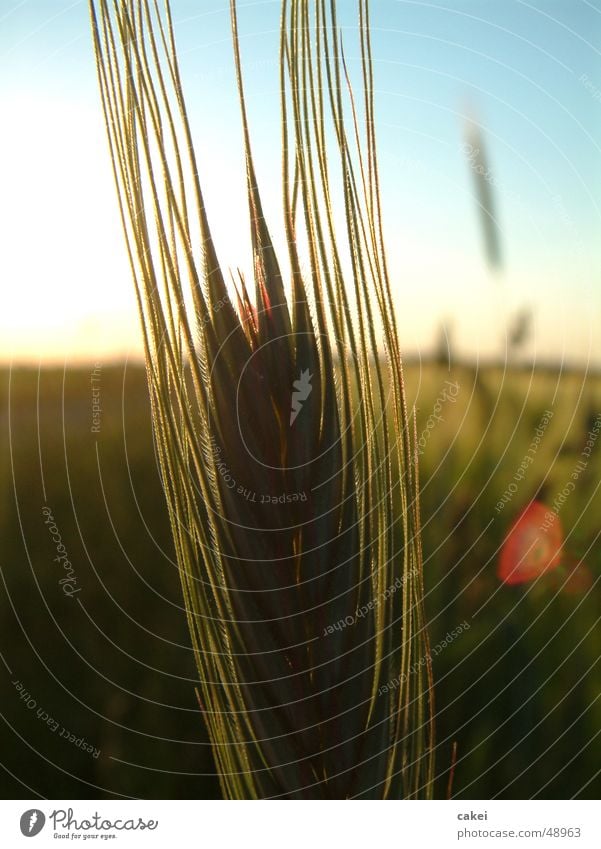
(98, 680)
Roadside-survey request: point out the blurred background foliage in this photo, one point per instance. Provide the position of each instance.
(518, 691)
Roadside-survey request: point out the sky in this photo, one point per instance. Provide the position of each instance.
(528, 72)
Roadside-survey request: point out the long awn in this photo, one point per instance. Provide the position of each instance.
(287, 454)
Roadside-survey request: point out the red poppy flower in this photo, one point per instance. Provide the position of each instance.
(532, 547)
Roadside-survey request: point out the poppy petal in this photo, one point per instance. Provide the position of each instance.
(532, 546)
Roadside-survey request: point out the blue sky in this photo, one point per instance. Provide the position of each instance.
(518, 66)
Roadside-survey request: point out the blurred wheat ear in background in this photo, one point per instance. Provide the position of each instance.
(287, 454)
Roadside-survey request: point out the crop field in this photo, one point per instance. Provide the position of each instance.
(98, 676)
